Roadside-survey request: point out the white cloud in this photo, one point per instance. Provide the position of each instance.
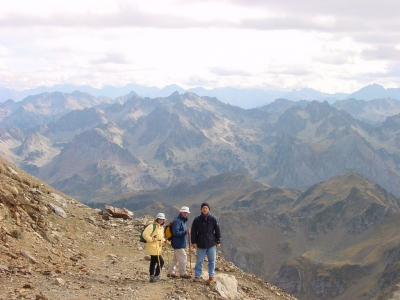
(113, 58)
(4, 51)
(382, 53)
(331, 46)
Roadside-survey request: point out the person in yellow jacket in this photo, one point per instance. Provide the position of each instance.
(154, 236)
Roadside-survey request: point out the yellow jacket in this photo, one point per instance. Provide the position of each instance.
(154, 240)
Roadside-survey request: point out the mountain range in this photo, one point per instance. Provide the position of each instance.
(306, 191)
(244, 98)
(338, 239)
(97, 150)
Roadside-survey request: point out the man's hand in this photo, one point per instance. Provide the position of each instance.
(194, 246)
(218, 245)
(188, 230)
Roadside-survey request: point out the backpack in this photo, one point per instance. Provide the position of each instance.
(141, 238)
(168, 231)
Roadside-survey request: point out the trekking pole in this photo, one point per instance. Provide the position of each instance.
(158, 254)
(190, 255)
(167, 247)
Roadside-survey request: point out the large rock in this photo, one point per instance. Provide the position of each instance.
(226, 286)
(119, 212)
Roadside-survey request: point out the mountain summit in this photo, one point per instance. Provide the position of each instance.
(54, 247)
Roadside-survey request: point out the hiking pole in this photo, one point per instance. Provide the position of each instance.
(167, 247)
(158, 254)
(190, 255)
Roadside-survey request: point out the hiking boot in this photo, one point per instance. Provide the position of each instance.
(151, 278)
(157, 278)
(197, 279)
(210, 280)
(172, 275)
(186, 276)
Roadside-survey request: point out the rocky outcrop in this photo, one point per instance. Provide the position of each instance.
(289, 278)
(307, 280)
(116, 212)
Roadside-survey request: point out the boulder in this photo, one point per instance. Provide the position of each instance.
(116, 212)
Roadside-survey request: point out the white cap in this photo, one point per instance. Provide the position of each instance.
(160, 216)
(185, 209)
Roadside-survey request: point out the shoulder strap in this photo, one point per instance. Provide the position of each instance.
(154, 228)
(179, 220)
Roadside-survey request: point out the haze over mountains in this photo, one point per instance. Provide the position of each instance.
(244, 98)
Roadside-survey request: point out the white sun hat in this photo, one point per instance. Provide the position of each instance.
(185, 209)
(160, 216)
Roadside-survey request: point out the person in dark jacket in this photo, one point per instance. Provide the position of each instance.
(178, 242)
(206, 238)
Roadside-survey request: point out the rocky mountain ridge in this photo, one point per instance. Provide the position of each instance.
(244, 98)
(97, 153)
(371, 112)
(44, 108)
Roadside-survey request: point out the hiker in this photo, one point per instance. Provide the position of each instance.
(178, 242)
(154, 236)
(206, 238)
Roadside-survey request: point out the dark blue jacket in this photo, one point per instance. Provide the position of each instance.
(205, 231)
(178, 229)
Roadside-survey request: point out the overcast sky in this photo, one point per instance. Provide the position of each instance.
(328, 45)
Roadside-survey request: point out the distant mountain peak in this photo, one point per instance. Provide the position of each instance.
(375, 91)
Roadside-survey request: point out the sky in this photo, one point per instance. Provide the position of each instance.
(330, 45)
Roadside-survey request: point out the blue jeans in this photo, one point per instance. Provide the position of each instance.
(211, 256)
